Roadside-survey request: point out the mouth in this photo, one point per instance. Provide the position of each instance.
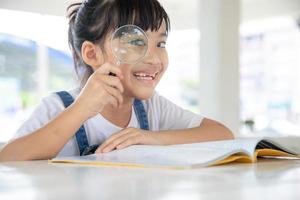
(146, 77)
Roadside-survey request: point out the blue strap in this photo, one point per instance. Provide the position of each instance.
(80, 135)
(141, 114)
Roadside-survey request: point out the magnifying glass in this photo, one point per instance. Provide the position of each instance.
(129, 44)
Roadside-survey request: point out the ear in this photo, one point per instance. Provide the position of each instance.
(91, 54)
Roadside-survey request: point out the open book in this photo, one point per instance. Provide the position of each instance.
(188, 156)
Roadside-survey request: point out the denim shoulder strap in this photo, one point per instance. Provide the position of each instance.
(81, 137)
(141, 114)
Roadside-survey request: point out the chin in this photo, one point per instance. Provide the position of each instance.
(143, 94)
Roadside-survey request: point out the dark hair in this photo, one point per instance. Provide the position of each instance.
(92, 20)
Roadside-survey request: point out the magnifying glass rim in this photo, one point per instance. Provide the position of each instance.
(112, 37)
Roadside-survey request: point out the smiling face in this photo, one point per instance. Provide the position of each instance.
(140, 79)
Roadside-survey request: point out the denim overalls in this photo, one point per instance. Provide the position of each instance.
(81, 138)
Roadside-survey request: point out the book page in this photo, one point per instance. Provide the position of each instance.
(174, 156)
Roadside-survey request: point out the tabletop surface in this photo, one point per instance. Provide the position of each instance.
(267, 179)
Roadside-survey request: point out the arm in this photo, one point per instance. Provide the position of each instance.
(46, 142)
(208, 130)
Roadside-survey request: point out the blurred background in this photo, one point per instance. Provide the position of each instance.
(237, 61)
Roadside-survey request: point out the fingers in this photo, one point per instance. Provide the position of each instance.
(102, 74)
(131, 139)
(113, 101)
(115, 93)
(125, 138)
(113, 82)
(111, 139)
(108, 68)
(100, 90)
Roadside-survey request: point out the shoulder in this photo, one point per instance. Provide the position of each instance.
(160, 103)
(53, 103)
(168, 115)
(48, 108)
(156, 101)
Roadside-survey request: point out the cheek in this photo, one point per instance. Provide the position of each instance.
(126, 71)
(125, 68)
(109, 56)
(165, 60)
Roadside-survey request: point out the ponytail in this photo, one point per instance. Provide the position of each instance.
(82, 74)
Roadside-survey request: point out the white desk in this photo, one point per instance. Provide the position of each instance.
(39, 180)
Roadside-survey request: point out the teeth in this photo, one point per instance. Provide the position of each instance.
(144, 76)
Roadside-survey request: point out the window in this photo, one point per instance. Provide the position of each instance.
(270, 71)
(31, 66)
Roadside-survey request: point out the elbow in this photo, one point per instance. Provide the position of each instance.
(227, 134)
(4, 156)
(217, 130)
(11, 152)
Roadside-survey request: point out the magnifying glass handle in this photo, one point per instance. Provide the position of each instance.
(118, 64)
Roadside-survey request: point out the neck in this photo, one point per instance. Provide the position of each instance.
(121, 115)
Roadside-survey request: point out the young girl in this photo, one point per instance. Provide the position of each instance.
(111, 112)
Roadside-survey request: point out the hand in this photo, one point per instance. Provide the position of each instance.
(127, 137)
(100, 90)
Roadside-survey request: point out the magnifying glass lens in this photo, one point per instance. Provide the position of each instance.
(129, 44)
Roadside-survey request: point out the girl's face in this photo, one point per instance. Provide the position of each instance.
(140, 79)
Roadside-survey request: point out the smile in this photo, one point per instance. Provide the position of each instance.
(145, 76)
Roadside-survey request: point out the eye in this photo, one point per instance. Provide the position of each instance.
(161, 45)
(137, 42)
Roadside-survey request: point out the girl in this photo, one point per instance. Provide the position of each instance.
(113, 111)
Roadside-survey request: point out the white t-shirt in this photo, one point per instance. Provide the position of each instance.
(162, 115)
